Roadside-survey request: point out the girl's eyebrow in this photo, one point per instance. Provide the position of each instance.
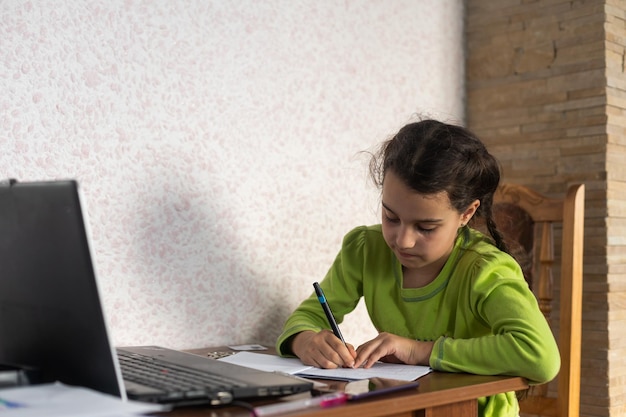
(387, 207)
(416, 221)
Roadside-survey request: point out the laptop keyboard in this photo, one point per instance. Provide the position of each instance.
(177, 381)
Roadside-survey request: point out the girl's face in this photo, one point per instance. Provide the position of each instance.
(420, 228)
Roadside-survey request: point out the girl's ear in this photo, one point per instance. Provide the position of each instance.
(467, 215)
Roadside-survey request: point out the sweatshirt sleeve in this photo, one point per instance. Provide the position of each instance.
(521, 342)
(342, 288)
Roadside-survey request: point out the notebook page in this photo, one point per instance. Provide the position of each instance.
(293, 366)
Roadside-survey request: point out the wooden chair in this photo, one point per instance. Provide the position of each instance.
(526, 219)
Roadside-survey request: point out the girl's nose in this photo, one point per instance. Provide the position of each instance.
(405, 238)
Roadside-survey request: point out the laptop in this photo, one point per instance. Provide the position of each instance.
(51, 317)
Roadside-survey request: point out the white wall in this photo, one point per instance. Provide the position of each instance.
(217, 143)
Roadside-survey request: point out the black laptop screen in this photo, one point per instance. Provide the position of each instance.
(50, 311)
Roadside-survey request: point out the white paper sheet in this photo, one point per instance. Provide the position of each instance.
(293, 366)
(60, 400)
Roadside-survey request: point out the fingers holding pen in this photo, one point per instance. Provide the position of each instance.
(353, 354)
(323, 349)
(332, 352)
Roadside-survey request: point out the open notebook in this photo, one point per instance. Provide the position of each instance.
(51, 317)
(293, 366)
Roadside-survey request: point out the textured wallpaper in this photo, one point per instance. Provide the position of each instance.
(218, 144)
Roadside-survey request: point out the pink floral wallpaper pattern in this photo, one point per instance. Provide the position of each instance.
(218, 144)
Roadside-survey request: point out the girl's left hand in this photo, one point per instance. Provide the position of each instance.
(387, 347)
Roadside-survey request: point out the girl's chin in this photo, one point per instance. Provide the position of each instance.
(411, 266)
(411, 263)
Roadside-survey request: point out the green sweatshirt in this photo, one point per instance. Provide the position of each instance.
(479, 310)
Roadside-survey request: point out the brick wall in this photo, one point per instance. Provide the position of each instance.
(615, 45)
(546, 91)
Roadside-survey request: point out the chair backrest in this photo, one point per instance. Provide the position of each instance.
(526, 219)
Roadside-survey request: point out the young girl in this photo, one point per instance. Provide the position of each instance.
(439, 292)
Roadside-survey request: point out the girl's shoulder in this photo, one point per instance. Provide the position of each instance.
(364, 247)
(365, 234)
(478, 250)
(365, 238)
(479, 255)
(475, 242)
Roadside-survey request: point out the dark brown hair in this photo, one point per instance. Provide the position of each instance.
(432, 156)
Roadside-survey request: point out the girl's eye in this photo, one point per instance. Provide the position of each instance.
(426, 230)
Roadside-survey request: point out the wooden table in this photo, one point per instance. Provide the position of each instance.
(439, 394)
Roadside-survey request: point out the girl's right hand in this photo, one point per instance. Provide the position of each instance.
(323, 350)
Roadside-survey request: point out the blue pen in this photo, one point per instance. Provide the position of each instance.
(329, 314)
